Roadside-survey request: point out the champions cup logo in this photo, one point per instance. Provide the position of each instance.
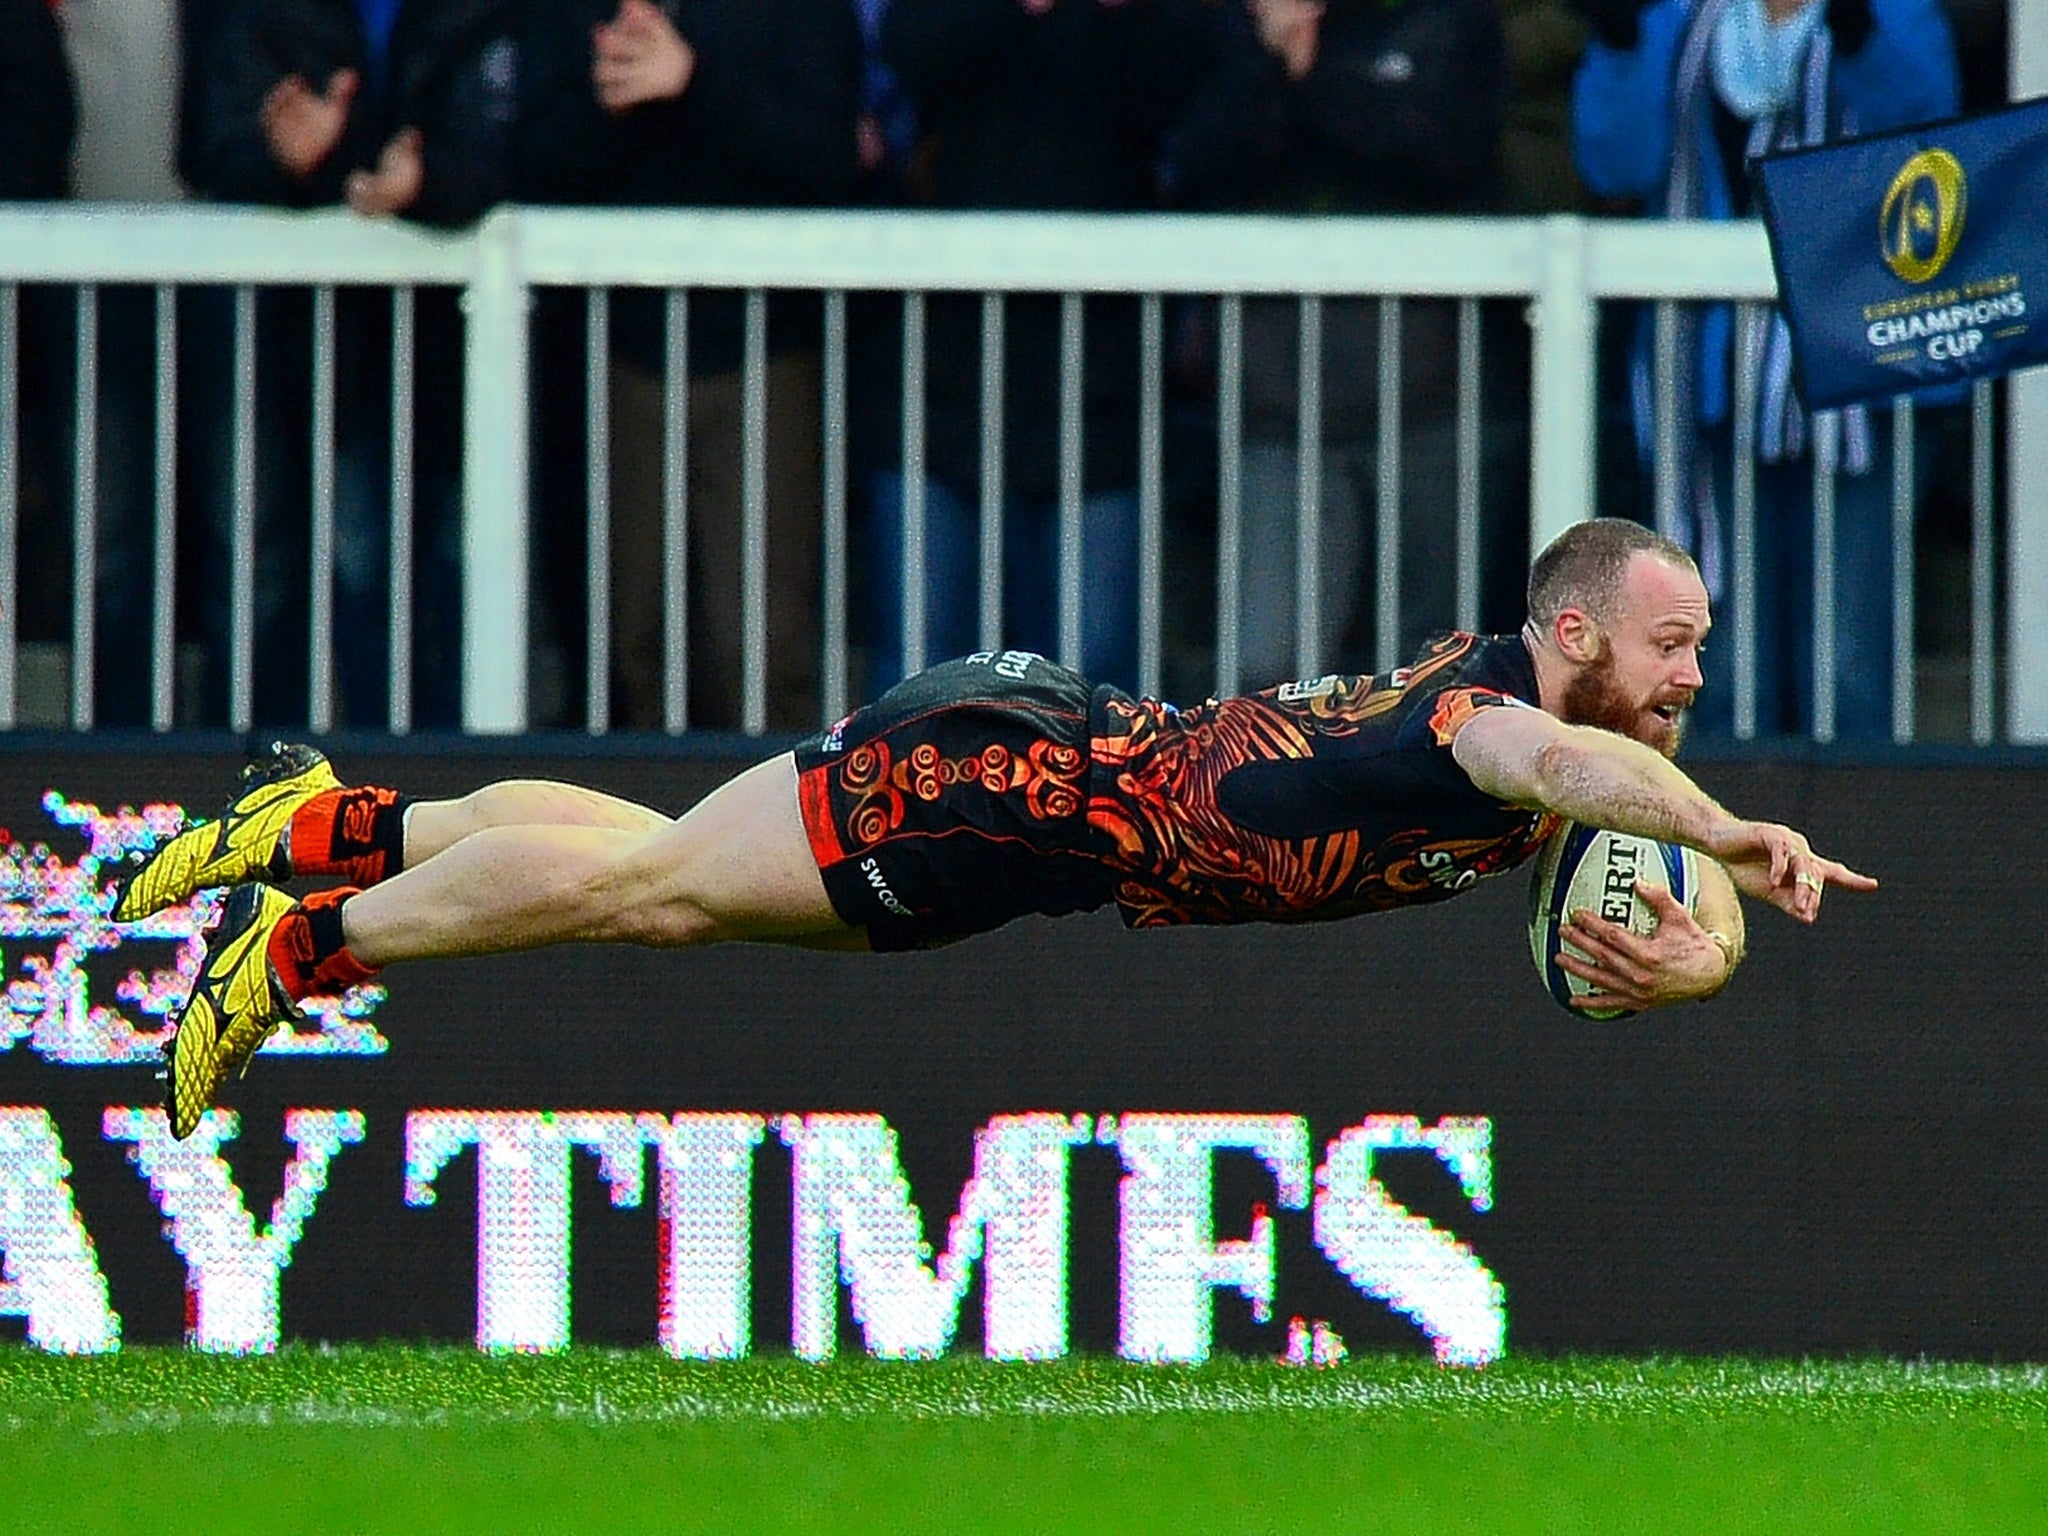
(1922, 217)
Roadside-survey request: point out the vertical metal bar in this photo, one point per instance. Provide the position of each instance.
(403, 346)
(242, 524)
(1071, 485)
(754, 517)
(597, 510)
(494, 490)
(1750, 321)
(1469, 405)
(1983, 571)
(1388, 639)
(10, 491)
(675, 516)
(1229, 491)
(992, 466)
(1669, 476)
(913, 484)
(320, 575)
(1151, 486)
(1823, 593)
(1308, 489)
(1903, 480)
(1564, 383)
(834, 690)
(163, 609)
(2026, 455)
(85, 497)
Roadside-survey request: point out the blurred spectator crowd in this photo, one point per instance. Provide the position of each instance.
(436, 110)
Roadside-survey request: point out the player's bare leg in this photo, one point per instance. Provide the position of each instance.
(434, 826)
(737, 866)
(292, 816)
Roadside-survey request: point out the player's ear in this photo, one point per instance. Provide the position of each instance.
(1577, 636)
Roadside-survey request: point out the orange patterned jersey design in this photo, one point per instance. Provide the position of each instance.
(1314, 800)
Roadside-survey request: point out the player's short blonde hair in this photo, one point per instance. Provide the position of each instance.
(1583, 567)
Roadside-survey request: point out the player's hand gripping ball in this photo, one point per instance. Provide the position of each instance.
(1587, 869)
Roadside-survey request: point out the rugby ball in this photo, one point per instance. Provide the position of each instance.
(1589, 869)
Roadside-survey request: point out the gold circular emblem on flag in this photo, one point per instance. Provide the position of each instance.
(1922, 217)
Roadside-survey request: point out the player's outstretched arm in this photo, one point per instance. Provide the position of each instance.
(1531, 758)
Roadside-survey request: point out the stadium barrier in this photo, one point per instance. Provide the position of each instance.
(1563, 267)
(1061, 1137)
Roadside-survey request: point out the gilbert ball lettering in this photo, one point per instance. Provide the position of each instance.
(1589, 869)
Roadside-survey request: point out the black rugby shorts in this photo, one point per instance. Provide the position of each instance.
(955, 802)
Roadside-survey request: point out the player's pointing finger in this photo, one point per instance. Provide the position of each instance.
(1845, 877)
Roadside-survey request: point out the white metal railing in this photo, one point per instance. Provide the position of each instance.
(1564, 266)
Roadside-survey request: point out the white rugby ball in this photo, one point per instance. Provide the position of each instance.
(1589, 869)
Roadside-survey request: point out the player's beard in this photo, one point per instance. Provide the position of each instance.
(1596, 697)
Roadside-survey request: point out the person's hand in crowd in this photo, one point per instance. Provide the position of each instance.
(394, 185)
(869, 144)
(1291, 31)
(302, 125)
(639, 57)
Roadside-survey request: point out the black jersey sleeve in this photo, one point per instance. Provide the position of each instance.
(1496, 674)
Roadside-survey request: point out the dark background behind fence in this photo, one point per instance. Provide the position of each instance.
(1844, 1153)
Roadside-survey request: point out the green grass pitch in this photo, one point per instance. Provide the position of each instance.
(430, 1440)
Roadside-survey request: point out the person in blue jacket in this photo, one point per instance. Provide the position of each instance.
(1672, 100)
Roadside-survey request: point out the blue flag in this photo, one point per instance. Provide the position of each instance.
(1913, 258)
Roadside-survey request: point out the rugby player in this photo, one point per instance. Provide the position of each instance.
(1002, 784)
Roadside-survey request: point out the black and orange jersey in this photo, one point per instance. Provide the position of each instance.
(1313, 800)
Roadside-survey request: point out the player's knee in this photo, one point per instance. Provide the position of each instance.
(671, 924)
(680, 924)
(641, 899)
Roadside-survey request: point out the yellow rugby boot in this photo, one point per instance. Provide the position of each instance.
(246, 843)
(234, 1004)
